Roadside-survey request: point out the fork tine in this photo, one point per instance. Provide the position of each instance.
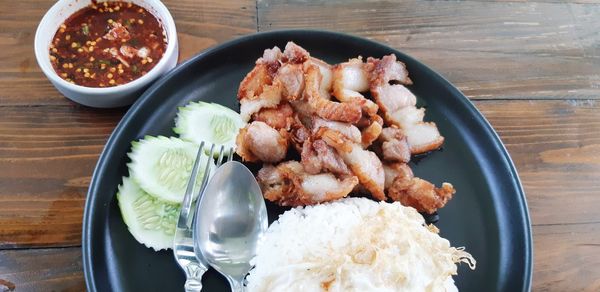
(207, 170)
(193, 265)
(189, 191)
(220, 159)
(230, 156)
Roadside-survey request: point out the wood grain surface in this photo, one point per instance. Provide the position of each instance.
(531, 67)
(489, 50)
(47, 155)
(55, 269)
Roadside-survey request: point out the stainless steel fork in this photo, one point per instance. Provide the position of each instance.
(193, 265)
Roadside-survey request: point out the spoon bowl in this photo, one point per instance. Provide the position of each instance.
(231, 218)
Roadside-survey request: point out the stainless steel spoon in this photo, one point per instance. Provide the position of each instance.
(231, 219)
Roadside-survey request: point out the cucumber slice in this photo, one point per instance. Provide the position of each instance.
(162, 166)
(208, 122)
(152, 222)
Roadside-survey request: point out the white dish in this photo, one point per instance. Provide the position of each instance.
(108, 97)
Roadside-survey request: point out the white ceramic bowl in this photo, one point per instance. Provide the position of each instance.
(106, 97)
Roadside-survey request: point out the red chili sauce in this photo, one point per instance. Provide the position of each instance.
(107, 44)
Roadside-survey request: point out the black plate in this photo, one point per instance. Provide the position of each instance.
(488, 214)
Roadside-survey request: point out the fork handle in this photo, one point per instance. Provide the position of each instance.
(193, 275)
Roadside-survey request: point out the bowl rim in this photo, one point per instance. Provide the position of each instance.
(163, 15)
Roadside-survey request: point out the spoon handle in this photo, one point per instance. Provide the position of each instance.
(236, 285)
(193, 273)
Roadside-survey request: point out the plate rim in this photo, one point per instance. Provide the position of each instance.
(102, 163)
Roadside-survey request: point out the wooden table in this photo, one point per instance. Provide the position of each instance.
(532, 68)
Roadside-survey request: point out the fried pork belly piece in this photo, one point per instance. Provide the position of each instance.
(412, 191)
(421, 136)
(269, 81)
(291, 77)
(252, 85)
(398, 104)
(331, 160)
(394, 146)
(298, 134)
(317, 157)
(351, 76)
(350, 131)
(308, 157)
(327, 76)
(348, 112)
(269, 97)
(371, 132)
(390, 97)
(280, 117)
(349, 80)
(363, 163)
(261, 75)
(260, 142)
(395, 170)
(295, 54)
(387, 69)
(271, 58)
(288, 184)
(258, 90)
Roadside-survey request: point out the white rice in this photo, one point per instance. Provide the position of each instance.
(354, 244)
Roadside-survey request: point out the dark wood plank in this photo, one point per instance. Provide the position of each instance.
(488, 49)
(47, 155)
(203, 24)
(199, 26)
(56, 269)
(566, 257)
(544, 1)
